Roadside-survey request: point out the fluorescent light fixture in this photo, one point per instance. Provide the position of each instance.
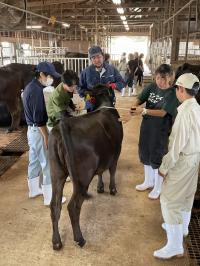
(138, 16)
(125, 23)
(127, 28)
(123, 17)
(66, 25)
(117, 2)
(120, 10)
(34, 27)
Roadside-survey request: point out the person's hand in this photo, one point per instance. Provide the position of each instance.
(46, 137)
(112, 86)
(136, 110)
(161, 174)
(77, 108)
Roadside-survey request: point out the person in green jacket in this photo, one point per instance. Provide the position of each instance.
(60, 99)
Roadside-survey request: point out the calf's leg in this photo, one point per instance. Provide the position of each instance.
(112, 185)
(100, 185)
(56, 205)
(74, 208)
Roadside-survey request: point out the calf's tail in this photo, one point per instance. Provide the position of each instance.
(67, 141)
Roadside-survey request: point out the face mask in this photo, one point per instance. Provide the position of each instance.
(48, 82)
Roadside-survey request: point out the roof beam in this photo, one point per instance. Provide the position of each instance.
(138, 4)
(66, 14)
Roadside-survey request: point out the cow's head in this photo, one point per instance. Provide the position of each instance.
(100, 95)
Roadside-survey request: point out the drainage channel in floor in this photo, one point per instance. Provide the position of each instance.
(7, 160)
(20, 144)
(12, 152)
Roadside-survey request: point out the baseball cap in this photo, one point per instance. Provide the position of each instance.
(187, 81)
(94, 50)
(48, 68)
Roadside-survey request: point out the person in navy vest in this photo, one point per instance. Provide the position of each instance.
(98, 72)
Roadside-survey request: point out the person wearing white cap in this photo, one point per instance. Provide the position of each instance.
(179, 168)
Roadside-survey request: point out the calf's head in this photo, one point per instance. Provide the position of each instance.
(99, 96)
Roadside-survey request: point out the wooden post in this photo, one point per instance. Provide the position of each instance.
(96, 28)
(188, 31)
(175, 38)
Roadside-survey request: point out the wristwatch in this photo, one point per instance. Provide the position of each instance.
(144, 112)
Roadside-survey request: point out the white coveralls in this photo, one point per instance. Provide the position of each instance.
(181, 163)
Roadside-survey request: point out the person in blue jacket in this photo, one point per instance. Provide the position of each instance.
(98, 73)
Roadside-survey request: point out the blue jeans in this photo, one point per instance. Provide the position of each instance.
(38, 156)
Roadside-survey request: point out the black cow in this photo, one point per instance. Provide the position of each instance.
(83, 147)
(27, 71)
(188, 68)
(10, 91)
(10, 106)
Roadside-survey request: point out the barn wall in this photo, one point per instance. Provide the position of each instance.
(76, 46)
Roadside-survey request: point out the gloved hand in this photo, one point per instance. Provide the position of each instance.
(112, 86)
(90, 102)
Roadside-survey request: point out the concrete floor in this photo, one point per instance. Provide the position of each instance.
(121, 230)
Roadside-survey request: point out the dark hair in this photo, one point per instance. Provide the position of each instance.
(164, 70)
(106, 57)
(70, 78)
(37, 74)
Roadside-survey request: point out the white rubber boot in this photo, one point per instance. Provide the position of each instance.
(155, 193)
(34, 189)
(133, 90)
(174, 246)
(148, 179)
(129, 91)
(47, 194)
(123, 92)
(152, 175)
(186, 220)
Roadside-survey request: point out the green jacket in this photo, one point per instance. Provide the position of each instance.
(58, 101)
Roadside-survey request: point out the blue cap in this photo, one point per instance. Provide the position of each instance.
(94, 50)
(48, 68)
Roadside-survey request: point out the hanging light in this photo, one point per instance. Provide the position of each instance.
(138, 16)
(66, 25)
(117, 2)
(123, 17)
(33, 26)
(120, 10)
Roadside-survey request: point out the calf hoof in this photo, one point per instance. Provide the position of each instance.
(81, 242)
(113, 191)
(57, 246)
(100, 189)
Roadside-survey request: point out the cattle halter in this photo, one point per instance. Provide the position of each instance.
(118, 108)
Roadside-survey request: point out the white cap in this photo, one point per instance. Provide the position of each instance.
(187, 80)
